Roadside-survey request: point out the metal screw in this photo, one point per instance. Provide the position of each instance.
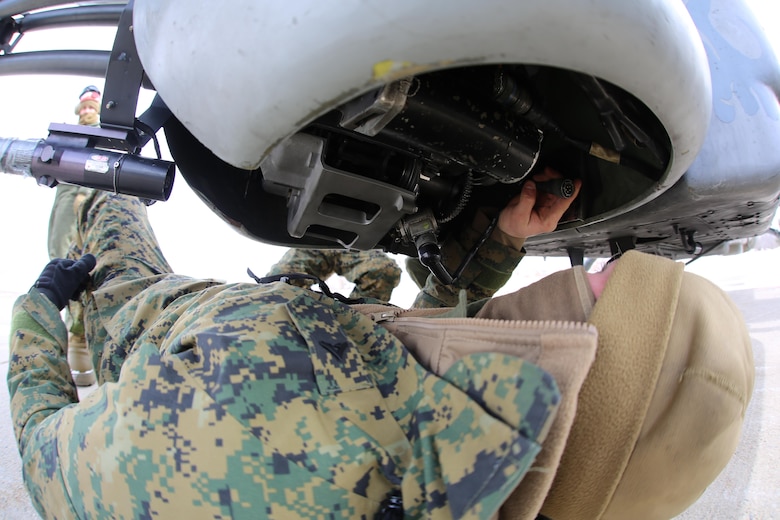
(47, 154)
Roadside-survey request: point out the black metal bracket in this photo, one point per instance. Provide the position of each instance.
(93, 137)
(689, 243)
(124, 76)
(576, 255)
(8, 28)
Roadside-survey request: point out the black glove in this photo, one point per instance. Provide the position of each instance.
(63, 280)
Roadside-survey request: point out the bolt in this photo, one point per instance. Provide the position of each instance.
(45, 180)
(47, 154)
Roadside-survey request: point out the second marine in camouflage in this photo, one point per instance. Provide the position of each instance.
(374, 273)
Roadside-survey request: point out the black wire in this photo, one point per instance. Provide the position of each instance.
(146, 129)
(470, 256)
(705, 252)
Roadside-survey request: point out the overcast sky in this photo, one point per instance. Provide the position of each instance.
(195, 241)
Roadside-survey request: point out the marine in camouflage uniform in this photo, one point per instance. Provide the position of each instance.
(62, 221)
(490, 269)
(272, 401)
(61, 232)
(245, 401)
(374, 274)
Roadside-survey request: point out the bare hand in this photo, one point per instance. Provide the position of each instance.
(533, 212)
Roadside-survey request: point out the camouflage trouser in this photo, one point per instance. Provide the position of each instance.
(61, 234)
(374, 274)
(62, 221)
(117, 231)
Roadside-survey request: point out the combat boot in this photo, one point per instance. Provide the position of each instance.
(80, 361)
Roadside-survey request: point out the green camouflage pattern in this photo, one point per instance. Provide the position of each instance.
(417, 271)
(374, 274)
(62, 220)
(60, 237)
(486, 273)
(253, 401)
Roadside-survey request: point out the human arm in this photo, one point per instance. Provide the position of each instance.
(533, 212)
(40, 387)
(313, 262)
(530, 213)
(39, 381)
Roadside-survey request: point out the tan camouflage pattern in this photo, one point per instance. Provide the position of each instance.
(62, 221)
(374, 274)
(60, 237)
(253, 401)
(485, 274)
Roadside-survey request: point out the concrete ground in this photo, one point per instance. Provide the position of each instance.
(746, 489)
